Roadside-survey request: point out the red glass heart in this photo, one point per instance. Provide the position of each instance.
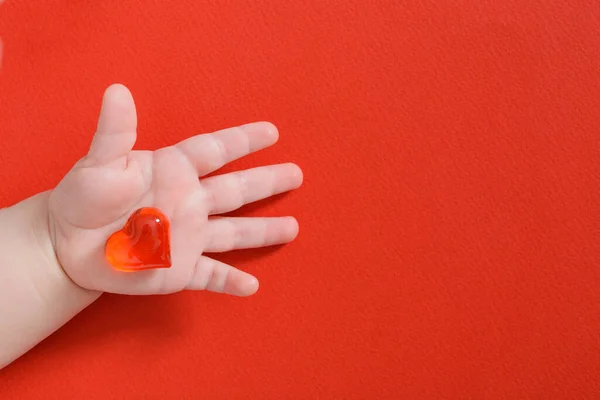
(143, 243)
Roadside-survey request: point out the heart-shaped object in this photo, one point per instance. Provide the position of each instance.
(143, 243)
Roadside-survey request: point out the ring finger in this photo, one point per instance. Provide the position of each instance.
(226, 234)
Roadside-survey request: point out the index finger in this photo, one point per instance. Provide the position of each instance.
(211, 151)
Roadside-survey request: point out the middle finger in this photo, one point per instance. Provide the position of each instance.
(233, 190)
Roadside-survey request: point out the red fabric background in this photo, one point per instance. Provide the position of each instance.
(450, 224)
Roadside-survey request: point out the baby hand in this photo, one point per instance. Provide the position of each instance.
(106, 186)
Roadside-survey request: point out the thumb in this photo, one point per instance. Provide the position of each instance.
(116, 132)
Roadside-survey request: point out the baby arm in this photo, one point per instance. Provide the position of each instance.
(36, 296)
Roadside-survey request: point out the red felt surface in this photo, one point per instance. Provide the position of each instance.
(450, 224)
